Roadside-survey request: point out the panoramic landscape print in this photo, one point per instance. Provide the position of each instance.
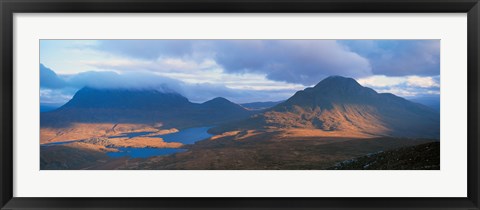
(239, 104)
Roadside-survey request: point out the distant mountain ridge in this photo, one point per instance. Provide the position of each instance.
(260, 105)
(343, 105)
(91, 105)
(335, 104)
(430, 101)
(46, 107)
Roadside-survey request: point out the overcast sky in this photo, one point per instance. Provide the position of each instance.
(239, 70)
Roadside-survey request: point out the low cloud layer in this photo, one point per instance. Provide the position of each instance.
(199, 92)
(409, 86)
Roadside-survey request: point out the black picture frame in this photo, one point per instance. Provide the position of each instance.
(9, 7)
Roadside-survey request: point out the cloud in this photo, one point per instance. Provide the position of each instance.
(399, 57)
(190, 71)
(196, 92)
(210, 91)
(304, 62)
(241, 69)
(380, 81)
(403, 86)
(409, 92)
(56, 96)
(148, 49)
(160, 65)
(128, 80)
(424, 82)
(411, 81)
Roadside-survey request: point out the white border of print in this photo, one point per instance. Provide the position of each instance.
(450, 181)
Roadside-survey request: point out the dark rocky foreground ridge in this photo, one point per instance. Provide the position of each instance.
(419, 157)
(266, 153)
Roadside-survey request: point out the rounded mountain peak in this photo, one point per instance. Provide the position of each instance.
(222, 104)
(337, 81)
(218, 99)
(333, 90)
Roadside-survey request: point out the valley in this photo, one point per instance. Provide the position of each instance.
(334, 122)
(272, 150)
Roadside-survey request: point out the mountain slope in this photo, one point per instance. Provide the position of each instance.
(342, 105)
(90, 105)
(430, 101)
(260, 105)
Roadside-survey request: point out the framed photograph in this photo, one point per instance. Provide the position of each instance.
(239, 105)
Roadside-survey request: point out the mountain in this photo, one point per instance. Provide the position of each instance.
(260, 105)
(125, 99)
(342, 105)
(46, 107)
(222, 103)
(430, 101)
(91, 105)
